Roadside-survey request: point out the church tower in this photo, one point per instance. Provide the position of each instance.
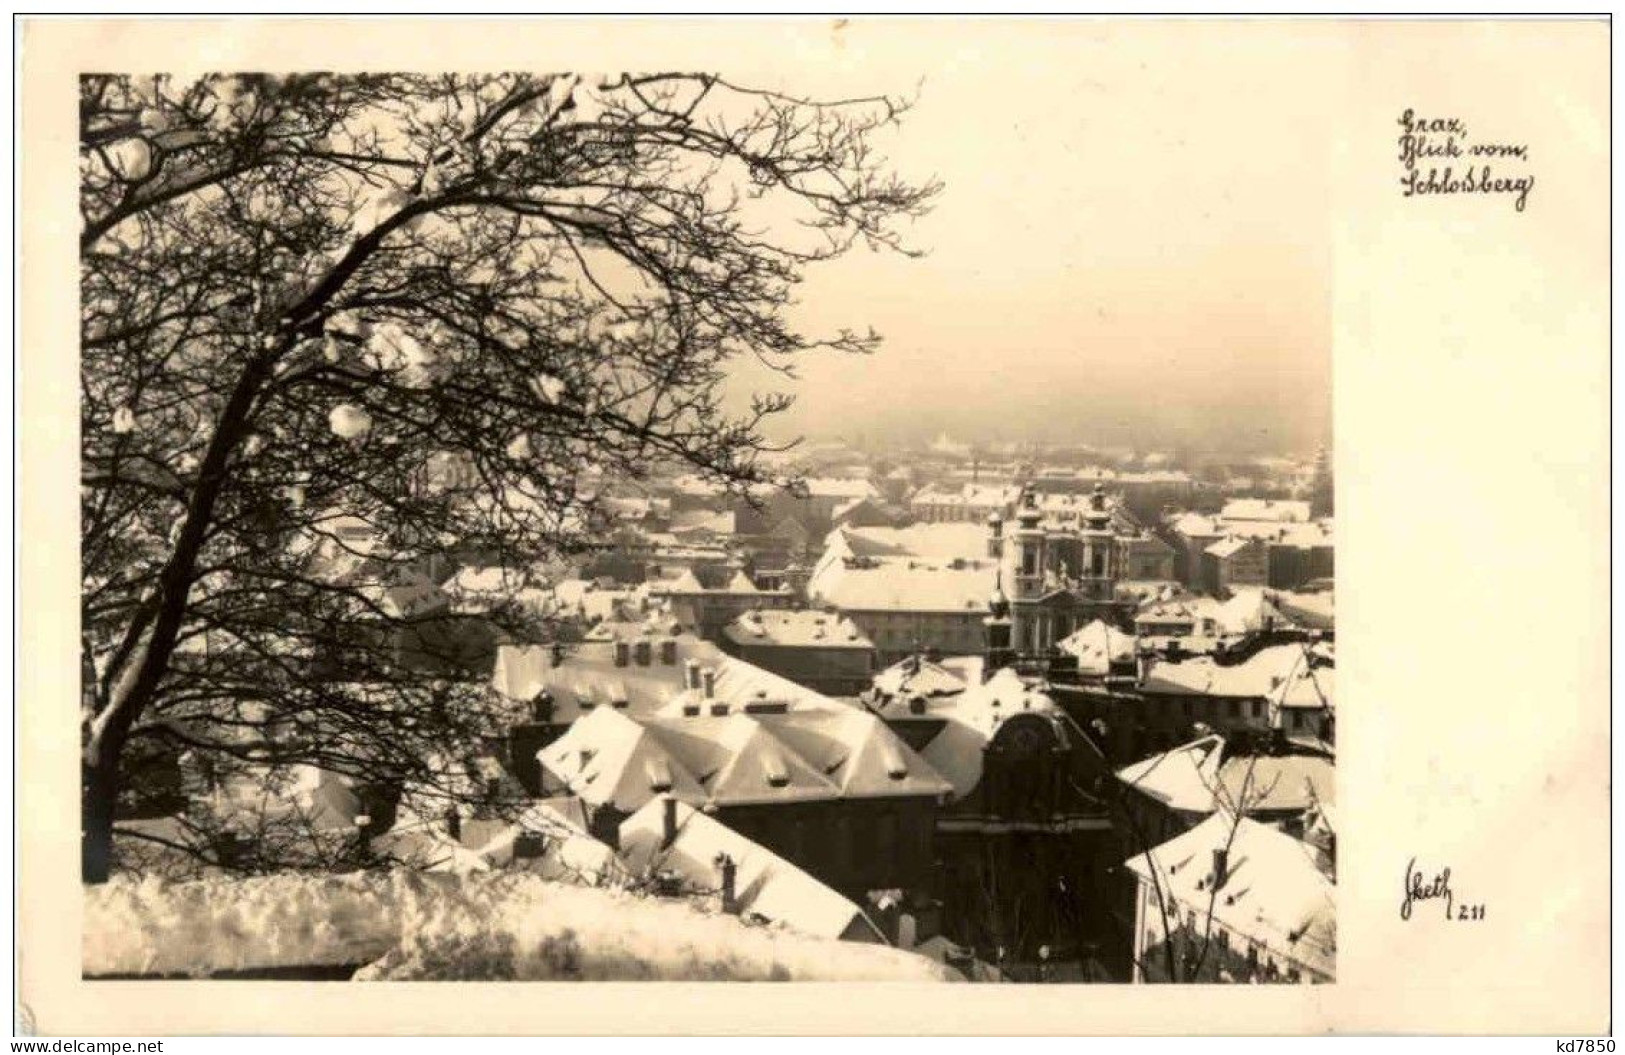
(1029, 573)
(997, 624)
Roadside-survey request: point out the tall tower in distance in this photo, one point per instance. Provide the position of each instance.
(1000, 654)
(1321, 490)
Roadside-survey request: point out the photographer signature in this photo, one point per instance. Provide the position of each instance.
(1421, 887)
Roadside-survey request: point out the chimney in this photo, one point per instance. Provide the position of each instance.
(708, 681)
(691, 674)
(1221, 865)
(622, 652)
(668, 652)
(668, 825)
(725, 865)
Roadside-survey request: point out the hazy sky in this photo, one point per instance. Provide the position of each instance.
(1133, 244)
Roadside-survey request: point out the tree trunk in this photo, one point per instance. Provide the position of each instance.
(99, 791)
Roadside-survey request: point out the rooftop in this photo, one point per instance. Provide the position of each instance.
(1205, 775)
(766, 885)
(610, 758)
(1273, 892)
(796, 629)
(903, 584)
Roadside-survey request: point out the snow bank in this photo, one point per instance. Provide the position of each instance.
(495, 926)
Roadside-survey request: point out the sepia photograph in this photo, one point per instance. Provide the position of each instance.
(505, 555)
(815, 500)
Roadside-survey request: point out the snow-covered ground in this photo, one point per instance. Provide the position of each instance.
(408, 925)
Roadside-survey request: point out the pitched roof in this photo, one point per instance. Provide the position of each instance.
(1204, 675)
(1316, 611)
(813, 749)
(1274, 893)
(765, 884)
(804, 628)
(856, 751)
(1203, 776)
(916, 676)
(840, 487)
(1098, 645)
(929, 540)
(608, 759)
(970, 719)
(759, 767)
(1228, 546)
(904, 585)
(1309, 684)
(1272, 509)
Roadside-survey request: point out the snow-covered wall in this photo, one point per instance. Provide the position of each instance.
(407, 925)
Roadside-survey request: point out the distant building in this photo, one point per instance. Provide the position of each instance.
(1263, 778)
(707, 602)
(1266, 510)
(905, 604)
(1101, 650)
(1063, 572)
(969, 504)
(1233, 900)
(1226, 690)
(1235, 563)
(822, 650)
(1295, 551)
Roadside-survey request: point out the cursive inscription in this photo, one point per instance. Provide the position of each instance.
(1435, 886)
(1438, 157)
(1419, 888)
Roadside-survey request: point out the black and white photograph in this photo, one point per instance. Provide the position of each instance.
(869, 520)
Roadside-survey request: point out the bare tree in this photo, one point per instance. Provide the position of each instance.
(436, 307)
(1188, 964)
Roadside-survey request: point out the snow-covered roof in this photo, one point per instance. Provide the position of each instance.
(840, 487)
(765, 884)
(970, 719)
(407, 594)
(1276, 510)
(932, 541)
(900, 584)
(608, 759)
(586, 675)
(1309, 684)
(1203, 775)
(1257, 675)
(1228, 547)
(916, 676)
(1273, 893)
(737, 758)
(703, 520)
(1316, 611)
(804, 628)
(1098, 645)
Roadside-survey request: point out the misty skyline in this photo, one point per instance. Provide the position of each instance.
(1120, 255)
